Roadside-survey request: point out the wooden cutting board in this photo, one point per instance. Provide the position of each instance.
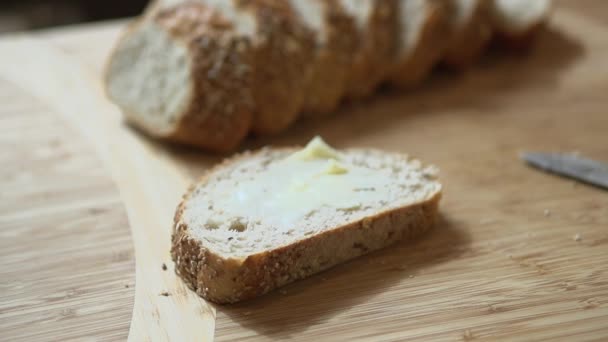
(518, 255)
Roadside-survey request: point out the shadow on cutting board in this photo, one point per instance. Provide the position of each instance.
(294, 308)
(498, 77)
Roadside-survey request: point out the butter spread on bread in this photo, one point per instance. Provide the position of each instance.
(261, 220)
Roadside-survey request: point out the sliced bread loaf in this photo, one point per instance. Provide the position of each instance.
(421, 40)
(470, 32)
(376, 26)
(261, 220)
(184, 74)
(334, 34)
(517, 22)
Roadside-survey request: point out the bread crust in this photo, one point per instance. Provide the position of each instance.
(517, 38)
(222, 64)
(469, 42)
(281, 67)
(375, 46)
(219, 111)
(327, 82)
(414, 68)
(227, 280)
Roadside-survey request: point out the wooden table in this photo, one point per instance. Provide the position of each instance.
(505, 263)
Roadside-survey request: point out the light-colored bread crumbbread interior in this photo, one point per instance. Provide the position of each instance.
(274, 199)
(154, 91)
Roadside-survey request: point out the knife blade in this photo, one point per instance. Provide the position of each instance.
(570, 165)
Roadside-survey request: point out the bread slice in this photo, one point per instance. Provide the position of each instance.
(261, 220)
(376, 24)
(517, 22)
(421, 40)
(282, 65)
(334, 34)
(470, 32)
(184, 75)
(282, 56)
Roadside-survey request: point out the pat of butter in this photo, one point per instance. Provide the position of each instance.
(334, 168)
(312, 178)
(316, 149)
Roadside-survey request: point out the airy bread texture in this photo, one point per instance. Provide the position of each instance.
(239, 234)
(423, 26)
(191, 82)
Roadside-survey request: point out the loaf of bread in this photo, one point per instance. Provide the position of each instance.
(261, 220)
(209, 72)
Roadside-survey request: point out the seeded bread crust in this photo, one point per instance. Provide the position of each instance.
(414, 68)
(228, 280)
(220, 65)
(469, 42)
(374, 48)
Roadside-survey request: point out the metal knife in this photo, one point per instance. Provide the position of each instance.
(570, 165)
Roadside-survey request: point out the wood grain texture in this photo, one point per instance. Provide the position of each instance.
(503, 264)
(150, 184)
(66, 252)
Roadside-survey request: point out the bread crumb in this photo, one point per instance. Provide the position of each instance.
(165, 294)
(467, 335)
(247, 313)
(590, 303)
(577, 237)
(283, 292)
(411, 276)
(547, 212)
(164, 266)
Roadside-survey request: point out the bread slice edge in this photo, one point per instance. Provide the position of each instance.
(228, 280)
